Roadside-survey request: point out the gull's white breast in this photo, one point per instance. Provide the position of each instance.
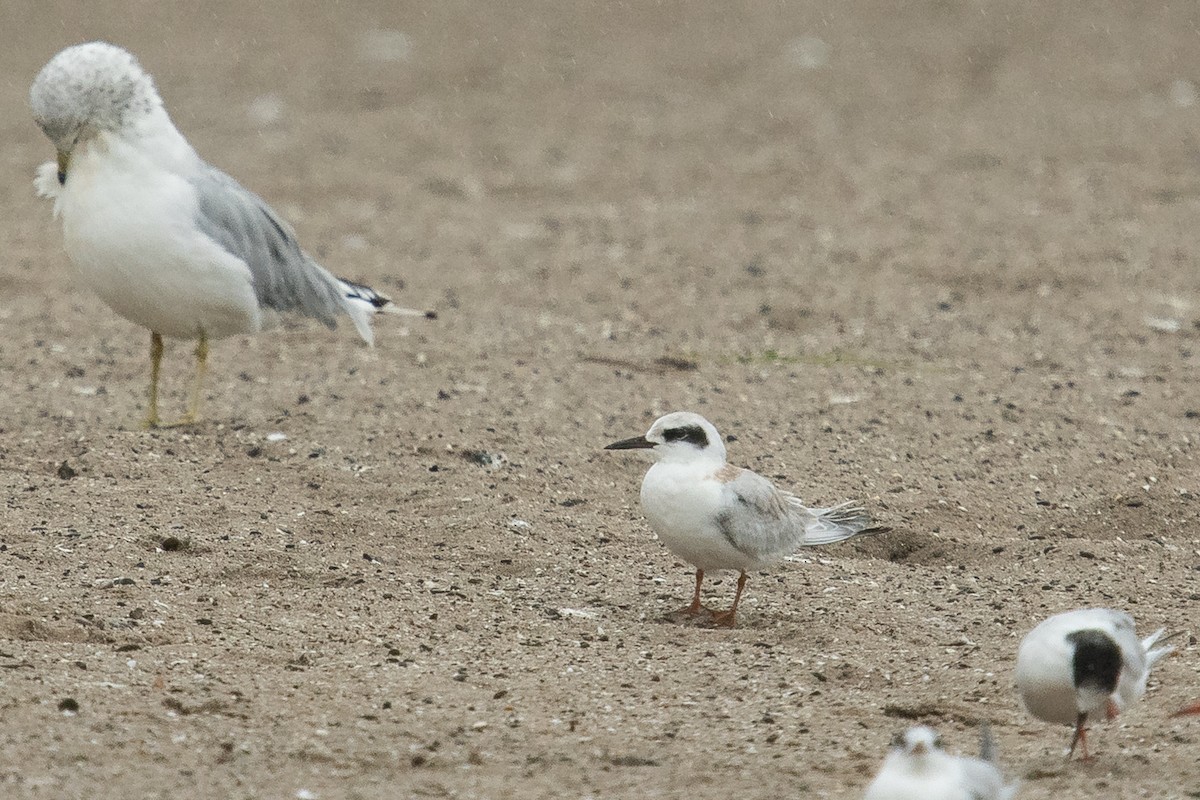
(128, 226)
(683, 503)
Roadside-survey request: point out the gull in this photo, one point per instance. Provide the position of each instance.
(917, 768)
(166, 240)
(1078, 665)
(720, 517)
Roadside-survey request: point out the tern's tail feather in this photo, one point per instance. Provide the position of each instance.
(829, 525)
(984, 777)
(1155, 652)
(363, 303)
(987, 743)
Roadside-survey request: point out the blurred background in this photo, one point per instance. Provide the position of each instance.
(938, 255)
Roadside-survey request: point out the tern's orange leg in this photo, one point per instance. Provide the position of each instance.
(1194, 708)
(1080, 739)
(727, 619)
(695, 609)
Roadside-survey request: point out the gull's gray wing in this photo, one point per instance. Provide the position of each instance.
(285, 278)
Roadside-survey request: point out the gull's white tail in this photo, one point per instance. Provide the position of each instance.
(363, 303)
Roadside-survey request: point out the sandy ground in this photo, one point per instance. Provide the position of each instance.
(942, 259)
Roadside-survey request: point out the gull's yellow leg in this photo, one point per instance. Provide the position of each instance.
(193, 412)
(156, 352)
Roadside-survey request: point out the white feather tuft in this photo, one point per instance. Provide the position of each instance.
(47, 185)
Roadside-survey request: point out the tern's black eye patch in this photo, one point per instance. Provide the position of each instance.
(692, 434)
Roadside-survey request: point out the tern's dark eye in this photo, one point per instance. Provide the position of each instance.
(938, 743)
(692, 434)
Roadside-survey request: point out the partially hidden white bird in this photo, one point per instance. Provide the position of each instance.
(1083, 665)
(720, 517)
(917, 768)
(168, 241)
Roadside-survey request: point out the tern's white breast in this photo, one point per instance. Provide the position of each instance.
(683, 504)
(899, 779)
(128, 226)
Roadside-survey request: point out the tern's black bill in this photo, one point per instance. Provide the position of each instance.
(636, 443)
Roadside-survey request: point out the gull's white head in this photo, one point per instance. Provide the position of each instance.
(679, 436)
(917, 742)
(89, 89)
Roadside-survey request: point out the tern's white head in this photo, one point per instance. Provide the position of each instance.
(917, 742)
(89, 89)
(680, 436)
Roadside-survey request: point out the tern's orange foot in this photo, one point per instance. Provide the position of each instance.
(692, 613)
(725, 619)
(1080, 739)
(1194, 708)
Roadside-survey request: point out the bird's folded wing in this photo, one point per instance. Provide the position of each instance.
(285, 278)
(756, 518)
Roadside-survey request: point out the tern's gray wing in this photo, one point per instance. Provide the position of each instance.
(285, 278)
(765, 522)
(983, 781)
(1122, 629)
(757, 518)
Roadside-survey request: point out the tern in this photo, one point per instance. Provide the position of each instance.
(1082, 665)
(720, 517)
(917, 768)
